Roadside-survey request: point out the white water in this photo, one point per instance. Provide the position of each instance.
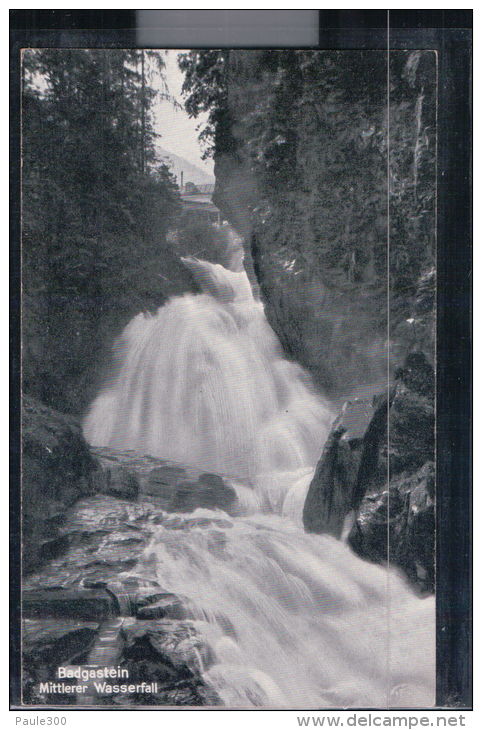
(204, 382)
(292, 620)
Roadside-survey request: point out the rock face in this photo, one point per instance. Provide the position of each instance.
(308, 193)
(59, 468)
(405, 515)
(333, 491)
(175, 487)
(56, 471)
(385, 474)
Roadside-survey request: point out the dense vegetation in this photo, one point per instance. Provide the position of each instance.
(97, 206)
(301, 158)
(303, 140)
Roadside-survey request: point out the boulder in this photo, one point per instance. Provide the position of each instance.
(162, 481)
(174, 487)
(402, 517)
(332, 492)
(174, 643)
(170, 653)
(56, 471)
(385, 475)
(116, 481)
(55, 641)
(210, 491)
(216, 492)
(330, 495)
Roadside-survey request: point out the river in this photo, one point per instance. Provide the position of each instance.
(291, 619)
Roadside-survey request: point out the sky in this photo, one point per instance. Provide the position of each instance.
(178, 132)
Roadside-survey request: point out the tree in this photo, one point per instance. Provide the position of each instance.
(327, 180)
(96, 208)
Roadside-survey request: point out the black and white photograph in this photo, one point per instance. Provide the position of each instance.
(229, 277)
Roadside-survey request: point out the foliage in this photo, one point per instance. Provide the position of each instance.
(314, 130)
(96, 209)
(206, 90)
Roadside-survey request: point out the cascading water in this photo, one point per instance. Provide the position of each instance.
(204, 382)
(291, 619)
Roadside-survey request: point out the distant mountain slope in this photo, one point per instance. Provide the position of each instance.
(180, 164)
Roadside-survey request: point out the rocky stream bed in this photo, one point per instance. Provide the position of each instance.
(90, 596)
(83, 601)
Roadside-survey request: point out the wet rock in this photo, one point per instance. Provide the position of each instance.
(124, 539)
(105, 530)
(56, 471)
(172, 487)
(104, 538)
(165, 605)
(171, 654)
(88, 604)
(140, 584)
(167, 652)
(63, 640)
(355, 418)
(146, 596)
(216, 492)
(117, 482)
(200, 522)
(47, 644)
(107, 513)
(184, 693)
(110, 567)
(405, 515)
(185, 498)
(210, 490)
(190, 694)
(176, 642)
(332, 492)
(163, 480)
(386, 477)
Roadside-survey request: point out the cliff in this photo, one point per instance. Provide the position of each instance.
(375, 481)
(301, 145)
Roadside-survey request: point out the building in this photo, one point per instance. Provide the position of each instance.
(197, 202)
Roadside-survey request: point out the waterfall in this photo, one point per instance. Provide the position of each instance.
(204, 382)
(290, 619)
